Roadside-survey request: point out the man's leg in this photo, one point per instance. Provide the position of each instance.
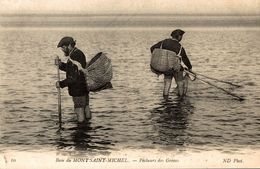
(87, 109)
(178, 76)
(79, 108)
(80, 114)
(186, 83)
(167, 85)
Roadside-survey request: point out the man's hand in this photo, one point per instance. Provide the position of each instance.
(57, 61)
(190, 70)
(57, 84)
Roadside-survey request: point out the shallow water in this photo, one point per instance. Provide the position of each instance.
(132, 115)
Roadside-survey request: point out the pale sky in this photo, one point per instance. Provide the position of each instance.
(131, 6)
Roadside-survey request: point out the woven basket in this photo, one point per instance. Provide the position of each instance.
(163, 60)
(98, 72)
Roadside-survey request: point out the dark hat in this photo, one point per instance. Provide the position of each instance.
(65, 41)
(177, 32)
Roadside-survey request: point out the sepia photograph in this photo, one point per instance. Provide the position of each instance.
(118, 84)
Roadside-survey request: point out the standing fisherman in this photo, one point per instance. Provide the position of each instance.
(75, 80)
(173, 44)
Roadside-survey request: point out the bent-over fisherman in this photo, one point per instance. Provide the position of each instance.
(74, 80)
(173, 44)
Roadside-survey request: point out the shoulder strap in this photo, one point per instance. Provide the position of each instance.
(76, 63)
(161, 45)
(74, 49)
(179, 54)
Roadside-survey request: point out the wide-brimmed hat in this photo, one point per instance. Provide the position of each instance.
(177, 32)
(65, 41)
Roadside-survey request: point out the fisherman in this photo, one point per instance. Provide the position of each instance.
(173, 44)
(75, 80)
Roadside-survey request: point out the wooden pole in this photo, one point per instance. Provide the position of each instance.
(59, 94)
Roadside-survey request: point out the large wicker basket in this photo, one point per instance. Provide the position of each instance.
(98, 73)
(163, 60)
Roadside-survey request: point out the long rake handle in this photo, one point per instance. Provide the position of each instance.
(232, 94)
(218, 80)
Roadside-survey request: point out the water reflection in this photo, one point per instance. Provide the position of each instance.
(82, 137)
(170, 120)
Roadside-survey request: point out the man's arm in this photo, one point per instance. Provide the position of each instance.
(62, 66)
(72, 77)
(185, 59)
(66, 82)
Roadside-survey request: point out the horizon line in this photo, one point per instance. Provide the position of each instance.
(124, 14)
